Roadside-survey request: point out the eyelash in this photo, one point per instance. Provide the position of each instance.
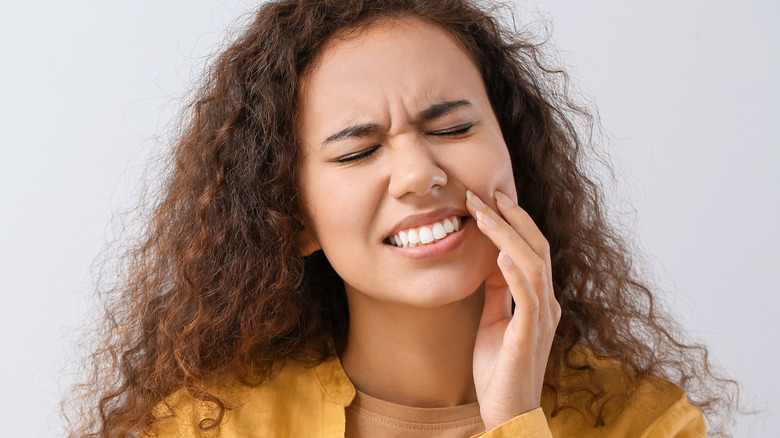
(458, 130)
(358, 156)
(353, 158)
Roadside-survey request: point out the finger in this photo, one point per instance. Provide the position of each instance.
(534, 317)
(507, 239)
(521, 221)
(526, 299)
(498, 300)
(537, 270)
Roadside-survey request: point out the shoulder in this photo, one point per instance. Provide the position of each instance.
(655, 408)
(273, 408)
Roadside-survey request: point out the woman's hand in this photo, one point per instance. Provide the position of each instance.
(511, 350)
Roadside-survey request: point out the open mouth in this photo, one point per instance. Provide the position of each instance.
(426, 234)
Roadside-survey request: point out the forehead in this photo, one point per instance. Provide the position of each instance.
(403, 60)
(405, 33)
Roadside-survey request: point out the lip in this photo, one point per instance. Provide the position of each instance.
(419, 220)
(439, 248)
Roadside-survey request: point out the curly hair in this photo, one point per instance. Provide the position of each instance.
(216, 284)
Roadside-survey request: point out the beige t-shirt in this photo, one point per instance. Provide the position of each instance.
(370, 417)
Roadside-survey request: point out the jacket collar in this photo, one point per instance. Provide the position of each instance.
(334, 381)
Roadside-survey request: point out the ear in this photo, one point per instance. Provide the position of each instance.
(307, 242)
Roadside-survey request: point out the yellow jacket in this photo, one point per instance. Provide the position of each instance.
(310, 402)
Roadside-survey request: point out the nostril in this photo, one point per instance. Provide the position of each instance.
(418, 175)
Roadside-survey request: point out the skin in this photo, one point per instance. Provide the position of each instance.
(379, 150)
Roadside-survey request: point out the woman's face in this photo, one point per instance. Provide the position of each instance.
(395, 125)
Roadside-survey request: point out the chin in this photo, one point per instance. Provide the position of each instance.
(446, 289)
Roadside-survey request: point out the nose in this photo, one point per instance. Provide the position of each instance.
(414, 169)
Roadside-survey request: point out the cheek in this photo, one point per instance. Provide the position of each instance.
(490, 170)
(502, 177)
(336, 208)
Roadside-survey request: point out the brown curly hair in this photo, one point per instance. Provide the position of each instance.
(216, 284)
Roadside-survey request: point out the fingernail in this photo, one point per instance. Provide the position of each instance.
(503, 199)
(504, 258)
(475, 201)
(485, 219)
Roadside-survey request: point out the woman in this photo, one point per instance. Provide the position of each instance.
(378, 224)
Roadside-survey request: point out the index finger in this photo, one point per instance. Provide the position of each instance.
(522, 222)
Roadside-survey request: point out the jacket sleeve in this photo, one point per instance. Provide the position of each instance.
(679, 419)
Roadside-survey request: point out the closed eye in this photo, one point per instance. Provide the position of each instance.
(455, 131)
(358, 156)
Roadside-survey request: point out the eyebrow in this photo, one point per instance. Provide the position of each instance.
(441, 108)
(365, 129)
(356, 130)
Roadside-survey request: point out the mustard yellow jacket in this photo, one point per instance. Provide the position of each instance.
(310, 402)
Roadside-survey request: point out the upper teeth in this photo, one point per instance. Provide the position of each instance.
(426, 234)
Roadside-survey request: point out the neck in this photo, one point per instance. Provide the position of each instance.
(419, 357)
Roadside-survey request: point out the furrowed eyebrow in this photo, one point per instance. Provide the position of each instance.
(441, 108)
(357, 130)
(365, 129)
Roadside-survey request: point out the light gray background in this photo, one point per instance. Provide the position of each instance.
(687, 91)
